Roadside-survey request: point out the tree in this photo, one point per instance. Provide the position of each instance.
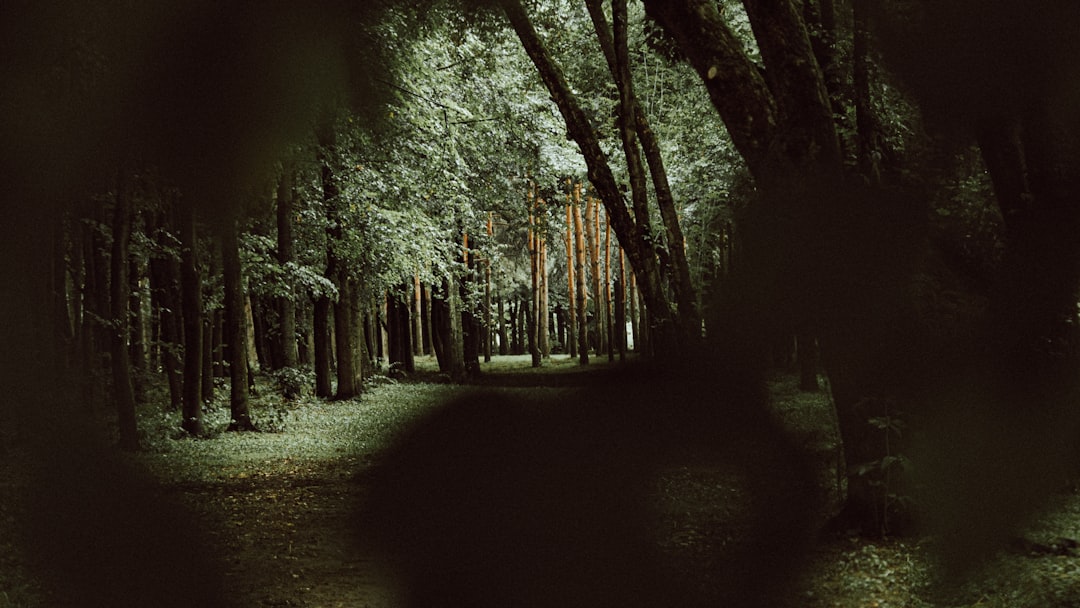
(120, 362)
(1010, 101)
(632, 234)
(235, 328)
(191, 301)
(165, 301)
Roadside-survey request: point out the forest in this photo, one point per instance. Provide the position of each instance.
(540, 303)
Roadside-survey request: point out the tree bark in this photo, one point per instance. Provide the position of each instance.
(123, 392)
(571, 302)
(592, 243)
(235, 329)
(579, 270)
(634, 238)
(504, 340)
(165, 285)
(191, 301)
(211, 348)
(533, 319)
(634, 127)
(417, 319)
(138, 343)
(321, 337)
(544, 326)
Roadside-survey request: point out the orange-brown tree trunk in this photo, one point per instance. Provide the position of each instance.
(579, 270)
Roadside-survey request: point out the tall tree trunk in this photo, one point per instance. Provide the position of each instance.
(399, 323)
(191, 301)
(635, 130)
(138, 343)
(285, 255)
(348, 379)
(123, 392)
(426, 318)
(608, 311)
(417, 316)
(579, 270)
(236, 329)
(455, 346)
(544, 328)
(634, 237)
(211, 348)
(488, 326)
(470, 324)
(571, 302)
(348, 372)
(620, 307)
(321, 335)
(592, 244)
(165, 285)
(534, 278)
(635, 318)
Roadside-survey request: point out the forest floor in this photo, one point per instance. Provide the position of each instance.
(278, 507)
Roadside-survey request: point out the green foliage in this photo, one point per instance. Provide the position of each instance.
(292, 382)
(889, 474)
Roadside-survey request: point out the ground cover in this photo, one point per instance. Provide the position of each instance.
(278, 507)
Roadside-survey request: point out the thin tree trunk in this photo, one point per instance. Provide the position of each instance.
(123, 392)
(635, 129)
(417, 320)
(592, 242)
(635, 318)
(236, 329)
(608, 312)
(634, 238)
(427, 324)
(191, 300)
(211, 328)
(504, 344)
(456, 344)
(534, 276)
(165, 284)
(138, 343)
(579, 268)
(321, 335)
(620, 306)
(571, 302)
(488, 331)
(544, 325)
